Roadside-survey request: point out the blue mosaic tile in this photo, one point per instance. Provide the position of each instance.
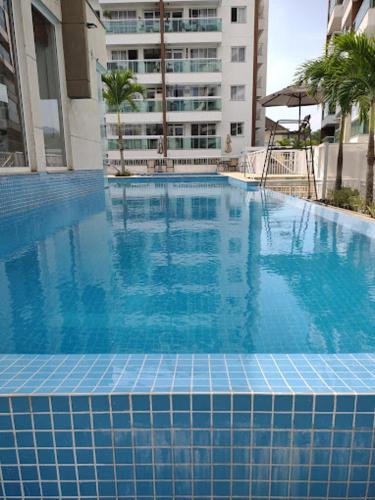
(29, 374)
(22, 193)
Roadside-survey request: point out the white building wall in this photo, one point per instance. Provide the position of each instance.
(81, 118)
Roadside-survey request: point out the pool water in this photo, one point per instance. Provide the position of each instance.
(184, 267)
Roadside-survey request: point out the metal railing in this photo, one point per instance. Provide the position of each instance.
(171, 65)
(173, 105)
(283, 162)
(12, 159)
(174, 143)
(192, 25)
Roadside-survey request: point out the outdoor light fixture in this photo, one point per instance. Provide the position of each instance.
(91, 26)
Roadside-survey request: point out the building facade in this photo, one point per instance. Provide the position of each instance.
(52, 53)
(348, 15)
(204, 69)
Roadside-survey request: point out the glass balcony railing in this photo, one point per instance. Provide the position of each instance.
(194, 105)
(155, 106)
(133, 26)
(145, 106)
(145, 66)
(192, 65)
(199, 142)
(365, 7)
(192, 25)
(171, 66)
(174, 143)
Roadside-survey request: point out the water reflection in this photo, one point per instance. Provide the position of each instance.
(184, 268)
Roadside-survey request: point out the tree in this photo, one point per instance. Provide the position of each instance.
(121, 88)
(322, 77)
(357, 51)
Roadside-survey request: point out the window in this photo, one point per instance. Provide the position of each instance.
(174, 14)
(152, 14)
(202, 13)
(49, 89)
(238, 54)
(122, 14)
(174, 54)
(203, 129)
(154, 129)
(151, 53)
(125, 55)
(238, 15)
(12, 144)
(176, 129)
(237, 92)
(203, 53)
(153, 93)
(236, 129)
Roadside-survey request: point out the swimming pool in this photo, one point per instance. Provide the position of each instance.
(186, 267)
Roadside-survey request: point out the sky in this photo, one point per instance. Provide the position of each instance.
(297, 32)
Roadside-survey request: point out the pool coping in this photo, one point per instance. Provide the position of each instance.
(183, 373)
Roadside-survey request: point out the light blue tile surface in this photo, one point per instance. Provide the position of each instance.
(156, 373)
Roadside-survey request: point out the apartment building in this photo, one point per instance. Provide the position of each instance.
(348, 15)
(52, 54)
(204, 68)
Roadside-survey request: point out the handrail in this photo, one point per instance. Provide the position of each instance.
(171, 25)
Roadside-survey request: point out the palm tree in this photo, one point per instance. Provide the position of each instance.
(358, 81)
(322, 77)
(120, 88)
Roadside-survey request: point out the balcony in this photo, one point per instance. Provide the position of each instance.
(173, 105)
(174, 143)
(133, 26)
(171, 65)
(336, 11)
(188, 25)
(359, 24)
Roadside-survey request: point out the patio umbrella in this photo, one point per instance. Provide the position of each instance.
(160, 146)
(293, 96)
(228, 144)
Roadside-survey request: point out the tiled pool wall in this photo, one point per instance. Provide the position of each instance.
(145, 427)
(19, 193)
(218, 446)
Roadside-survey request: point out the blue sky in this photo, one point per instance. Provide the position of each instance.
(297, 31)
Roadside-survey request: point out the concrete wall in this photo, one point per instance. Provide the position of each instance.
(355, 165)
(81, 118)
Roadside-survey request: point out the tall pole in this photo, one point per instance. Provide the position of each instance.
(163, 87)
(255, 72)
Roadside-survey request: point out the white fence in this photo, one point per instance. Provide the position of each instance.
(354, 168)
(14, 159)
(287, 163)
(282, 162)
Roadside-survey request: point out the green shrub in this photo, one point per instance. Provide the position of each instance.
(371, 209)
(125, 174)
(346, 198)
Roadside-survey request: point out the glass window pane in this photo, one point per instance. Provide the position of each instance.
(237, 93)
(49, 89)
(12, 143)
